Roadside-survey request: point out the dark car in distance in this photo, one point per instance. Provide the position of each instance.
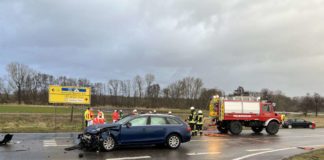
(143, 129)
(297, 123)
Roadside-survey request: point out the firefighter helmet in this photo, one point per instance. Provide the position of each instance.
(199, 112)
(192, 108)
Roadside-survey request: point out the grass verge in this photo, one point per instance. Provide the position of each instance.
(313, 155)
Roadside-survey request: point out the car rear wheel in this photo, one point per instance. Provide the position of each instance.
(257, 129)
(272, 128)
(235, 127)
(108, 144)
(173, 141)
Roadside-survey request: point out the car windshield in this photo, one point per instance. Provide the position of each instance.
(126, 119)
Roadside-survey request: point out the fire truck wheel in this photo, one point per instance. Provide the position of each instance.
(222, 129)
(257, 129)
(235, 127)
(272, 128)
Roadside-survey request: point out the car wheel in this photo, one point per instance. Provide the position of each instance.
(108, 144)
(290, 126)
(310, 126)
(235, 127)
(173, 141)
(272, 128)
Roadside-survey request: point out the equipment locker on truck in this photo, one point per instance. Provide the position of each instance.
(231, 113)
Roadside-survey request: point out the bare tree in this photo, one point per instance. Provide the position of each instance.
(149, 79)
(114, 86)
(317, 102)
(153, 91)
(197, 86)
(18, 74)
(166, 92)
(2, 89)
(138, 82)
(1, 86)
(306, 104)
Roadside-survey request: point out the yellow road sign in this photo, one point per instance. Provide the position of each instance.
(69, 94)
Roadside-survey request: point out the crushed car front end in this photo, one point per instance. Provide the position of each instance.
(93, 136)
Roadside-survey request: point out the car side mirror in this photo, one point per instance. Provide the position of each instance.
(128, 124)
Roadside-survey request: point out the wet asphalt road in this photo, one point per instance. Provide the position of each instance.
(27, 146)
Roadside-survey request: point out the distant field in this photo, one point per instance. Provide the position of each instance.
(13, 108)
(41, 118)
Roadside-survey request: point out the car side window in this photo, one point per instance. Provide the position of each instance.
(140, 121)
(172, 121)
(158, 121)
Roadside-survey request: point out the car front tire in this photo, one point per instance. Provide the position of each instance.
(108, 144)
(173, 141)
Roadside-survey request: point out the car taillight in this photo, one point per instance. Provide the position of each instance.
(188, 129)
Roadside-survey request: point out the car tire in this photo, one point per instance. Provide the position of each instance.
(235, 127)
(257, 129)
(272, 128)
(290, 126)
(109, 143)
(310, 126)
(173, 141)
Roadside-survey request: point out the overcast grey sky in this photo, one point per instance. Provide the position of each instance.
(275, 44)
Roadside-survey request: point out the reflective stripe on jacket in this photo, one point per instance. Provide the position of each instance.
(200, 118)
(192, 117)
(87, 115)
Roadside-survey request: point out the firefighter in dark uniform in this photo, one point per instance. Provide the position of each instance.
(192, 120)
(199, 120)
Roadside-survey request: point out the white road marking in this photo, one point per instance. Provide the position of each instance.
(125, 158)
(201, 153)
(255, 154)
(52, 143)
(255, 150)
(49, 143)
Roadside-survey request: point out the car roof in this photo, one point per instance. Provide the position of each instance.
(159, 114)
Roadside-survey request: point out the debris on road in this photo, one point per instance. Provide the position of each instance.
(7, 138)
(72, 148)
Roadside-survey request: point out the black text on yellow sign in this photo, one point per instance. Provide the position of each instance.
(69, 94)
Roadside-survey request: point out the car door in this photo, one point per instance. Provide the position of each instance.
(157, 129)
(295, 123)
(266, 111)
(300, 123)
(136, 132)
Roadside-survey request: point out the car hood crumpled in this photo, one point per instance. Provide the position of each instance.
(96, 128)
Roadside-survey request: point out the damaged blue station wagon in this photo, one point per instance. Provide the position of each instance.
(143, 129)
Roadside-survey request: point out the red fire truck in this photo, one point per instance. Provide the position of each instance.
(231, 113)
